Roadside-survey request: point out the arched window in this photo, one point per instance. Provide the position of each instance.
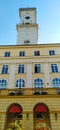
(41, 117)
(3, 83)
(38, 83)
(14, 117)
(20, 83)
(56, 82)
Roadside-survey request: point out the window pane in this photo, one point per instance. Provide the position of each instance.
(7, 54)
(56, 82)
(5, 69)
(3, 84)
(54, 68)
(38, 82)
(21, 68)
(22, 53)
(37, 68)
(36, 53)
(20, 83)
(51, 52)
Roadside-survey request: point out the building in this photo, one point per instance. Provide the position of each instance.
(29, 80)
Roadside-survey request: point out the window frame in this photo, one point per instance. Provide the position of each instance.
(54, 68)
(5, 69)
(20, 83)
(39, 84)
(36, 53)
(3, 83)
(7, 54)
(56, 82)
(21, 68)
(22, 53)
(37, 68)
(51, 52)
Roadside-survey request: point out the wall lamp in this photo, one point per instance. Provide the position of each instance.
(55, 116)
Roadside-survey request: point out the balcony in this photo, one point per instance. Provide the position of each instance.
(29, 91)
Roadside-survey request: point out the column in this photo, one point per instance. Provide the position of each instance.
(12, 75)
(29, 75)
(46, 75)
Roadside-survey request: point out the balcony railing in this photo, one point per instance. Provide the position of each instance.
(30, 91)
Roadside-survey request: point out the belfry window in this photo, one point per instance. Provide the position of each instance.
(26, 41)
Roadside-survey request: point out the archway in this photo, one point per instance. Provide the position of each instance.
(14, 117)
(41, 117)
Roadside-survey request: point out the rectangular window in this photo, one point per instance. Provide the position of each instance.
(51, 52)
(54, 68)
(37, 68)
(36, 53)
(21, 53)
(5, 69)
(7, 54)
(21, 68)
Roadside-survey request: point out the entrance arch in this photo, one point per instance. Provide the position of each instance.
(41, 117)
(14, 117)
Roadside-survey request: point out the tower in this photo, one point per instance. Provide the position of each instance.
(27, 30)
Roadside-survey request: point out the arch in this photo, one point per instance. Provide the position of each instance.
(20, 83)
(56, 82)
(38, 83)
(3, 83)
(41, 107)
(41, 117)
(13, 116)
(15, 108)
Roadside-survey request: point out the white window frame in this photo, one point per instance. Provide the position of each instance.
(54, 68)
(21, 68)
(5, 69)
(20, 83)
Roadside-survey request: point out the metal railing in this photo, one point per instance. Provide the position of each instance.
(30, 91)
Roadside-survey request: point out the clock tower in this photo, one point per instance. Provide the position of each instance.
(27, 30)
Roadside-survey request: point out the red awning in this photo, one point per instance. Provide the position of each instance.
(15, 109)
(40, 108)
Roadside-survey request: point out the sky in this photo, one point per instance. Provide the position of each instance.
(48, 20)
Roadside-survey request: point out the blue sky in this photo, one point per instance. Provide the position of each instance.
(48, 19)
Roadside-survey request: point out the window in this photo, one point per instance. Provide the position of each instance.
(56, 82)
(20, 83)
(38, 83)
(36, 53)
(26, 41)
(27, 17)
(51, 52)
(3, 84)
(54, 68)
(21, 53)
(21, 68)
(5, 69)
(7, 54)
(37, 68)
